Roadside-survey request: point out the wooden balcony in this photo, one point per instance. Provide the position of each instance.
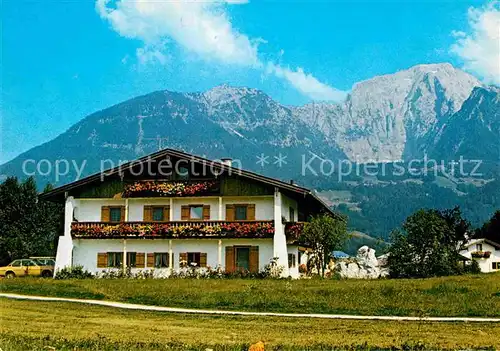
(174, 229)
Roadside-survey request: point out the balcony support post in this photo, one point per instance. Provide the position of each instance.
(219, 255)
(279, 240)
(171, 209)
(124, 255)
(64, 256)
(170, 256)
(126, 210)
(220, 209)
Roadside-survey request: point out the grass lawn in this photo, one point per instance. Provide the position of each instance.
(34, 325)
(473, 295)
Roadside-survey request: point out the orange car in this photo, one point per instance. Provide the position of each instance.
(26, 267)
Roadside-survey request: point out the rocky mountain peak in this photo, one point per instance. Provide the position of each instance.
(391, 117)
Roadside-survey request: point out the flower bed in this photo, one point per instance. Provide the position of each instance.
(165, 189)
(176, 230)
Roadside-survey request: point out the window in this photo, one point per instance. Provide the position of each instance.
(161, 259)
(115, 259)
(291, 260)
(495, 265)
(115, 214)
(131, 256)
(194, 259)
(196, 212)
(28, 263)
(291, 214)
(240, 212)
(479, 247)
(16, 263)
(158, 214)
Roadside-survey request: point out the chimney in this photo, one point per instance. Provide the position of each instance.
(227, 161)
(292, 182)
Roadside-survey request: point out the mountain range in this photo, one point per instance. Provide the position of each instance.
(435, 110)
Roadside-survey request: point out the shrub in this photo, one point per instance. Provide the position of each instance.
(472, 268)
(75, 272)
(273, 269)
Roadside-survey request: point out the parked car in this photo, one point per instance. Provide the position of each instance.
(26, 267)
(44, 261)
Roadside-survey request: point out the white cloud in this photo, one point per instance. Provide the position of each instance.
(480, 48)
(307, 84)
(202, 27)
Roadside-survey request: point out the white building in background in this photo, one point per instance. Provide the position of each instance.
(485, 252)
(171, 210)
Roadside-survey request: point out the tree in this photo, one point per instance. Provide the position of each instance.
(491, 229)
(27, 227)
(325, 234)
(428, 244)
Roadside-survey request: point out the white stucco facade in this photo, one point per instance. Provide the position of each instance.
(84, 251)
(487, 265)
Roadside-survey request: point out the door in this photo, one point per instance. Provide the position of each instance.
(243, 258)
(18, 268)
(31, 268)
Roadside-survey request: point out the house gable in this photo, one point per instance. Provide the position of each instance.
(164, 166)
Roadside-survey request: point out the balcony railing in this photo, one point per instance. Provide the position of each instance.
(174, 229)
(481, 254)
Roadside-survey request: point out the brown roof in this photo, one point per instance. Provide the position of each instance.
(58, 193)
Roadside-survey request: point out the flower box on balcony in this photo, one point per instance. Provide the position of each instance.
(481, 254)
(293, 231)
(198, 229)
(170, 189)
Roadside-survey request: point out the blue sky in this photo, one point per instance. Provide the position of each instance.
(62, 60)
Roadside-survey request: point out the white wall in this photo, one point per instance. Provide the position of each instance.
(89, 210)
(485, 264)
(286, 203)
(85, 250)
(264, 205)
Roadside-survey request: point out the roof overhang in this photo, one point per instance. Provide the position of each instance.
(59, 194)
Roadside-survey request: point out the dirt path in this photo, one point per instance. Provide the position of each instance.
(244, 313)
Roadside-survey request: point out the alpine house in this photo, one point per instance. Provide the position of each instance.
(171, 210)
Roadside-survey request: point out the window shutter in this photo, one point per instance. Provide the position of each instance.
(105, 214)
(166, 214)
(185, 213)
(206, 212)
(183, 257)
(122, 213)
(251, 212)
(254, 259)
(102, 260)
(229, 259)
(139, 260)
(203, 259)
(151, 260)
(148, 214)
(229, 212)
